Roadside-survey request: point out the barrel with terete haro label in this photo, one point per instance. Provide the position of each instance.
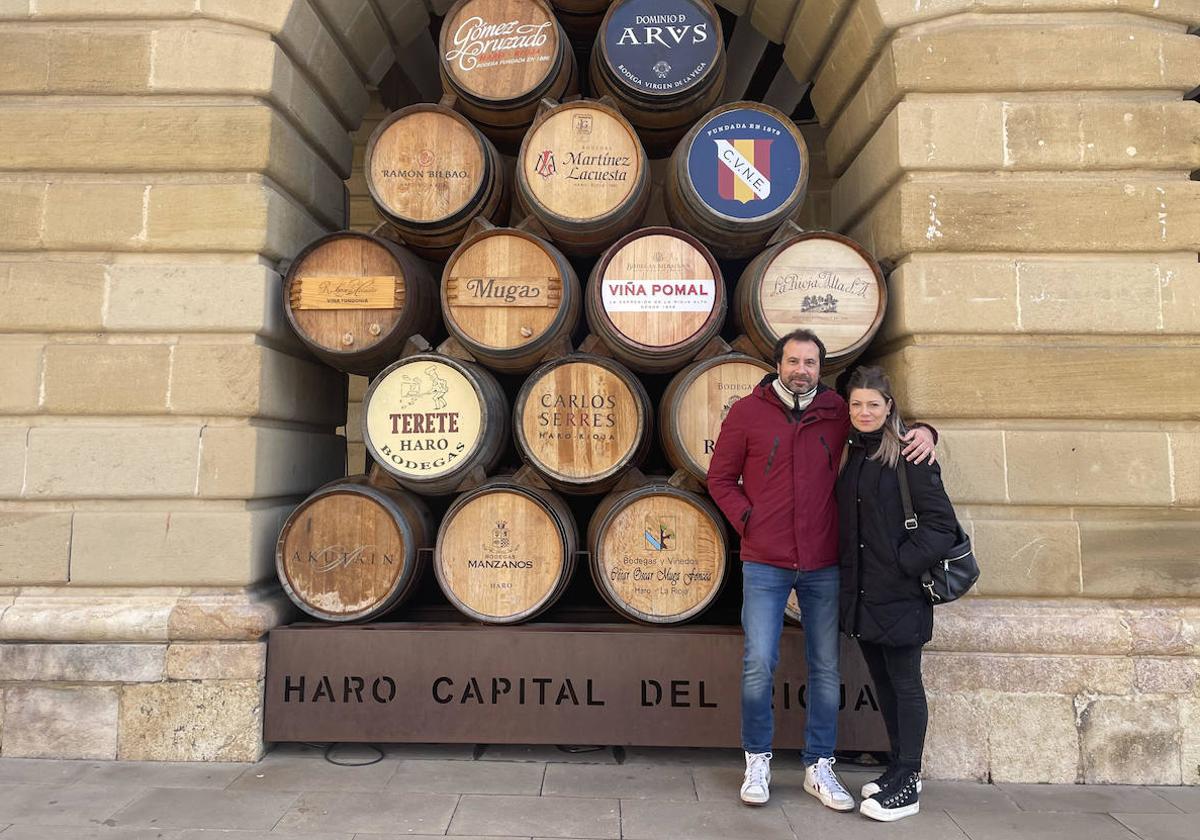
(505, 551)
(351, 551)
(430, 420)
(429, 173)
(737, 175)
(663, 63)
(655, 298)
(819, 280)
(353, 299)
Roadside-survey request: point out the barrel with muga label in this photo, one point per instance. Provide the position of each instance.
(658, 553)
(695, 404)
(738, 174)
(349, 552)
(581, 422)
(429, 173)
(663, 62)
(505, 551)
(429, 420)
(655, 298)
(582, 172)
(500, 58)
(821, 281)
(508, 297)
(354, 299)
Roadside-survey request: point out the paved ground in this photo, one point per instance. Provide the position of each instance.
(535, 792)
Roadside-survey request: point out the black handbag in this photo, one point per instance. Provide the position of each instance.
(952, 576)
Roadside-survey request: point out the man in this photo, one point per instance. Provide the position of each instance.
(784, 442)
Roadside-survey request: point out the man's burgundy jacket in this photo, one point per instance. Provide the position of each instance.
(784, 509)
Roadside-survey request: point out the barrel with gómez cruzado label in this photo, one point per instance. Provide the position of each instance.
(739, 174)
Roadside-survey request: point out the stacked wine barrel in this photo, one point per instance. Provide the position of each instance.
(549, 366)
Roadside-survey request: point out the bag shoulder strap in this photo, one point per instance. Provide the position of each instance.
(910, 517)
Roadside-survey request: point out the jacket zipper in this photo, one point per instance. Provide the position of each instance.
(771, 457)
(828, 453)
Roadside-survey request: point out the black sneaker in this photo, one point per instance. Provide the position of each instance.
(873, 787)
(899, 800)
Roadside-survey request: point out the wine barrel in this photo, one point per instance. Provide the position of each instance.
(429, 420)
(349, 552)
(505, 551)
(655, 298)
(500, 58)
(821, 281)
(580, 19)
(508, 297)
(736, 176)
(429, 173)
(695, 404)
(583, 173)
(663, 63)
(354, 299)
(657, 553)
(581, 422)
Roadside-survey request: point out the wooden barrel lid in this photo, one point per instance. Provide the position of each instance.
(660, 48)
(827, 283)
(502, 554)
(499, 50)
(581, 161)
(503, 289)
(426, 164)
(747, 162)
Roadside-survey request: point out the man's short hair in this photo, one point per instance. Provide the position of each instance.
(798, 335)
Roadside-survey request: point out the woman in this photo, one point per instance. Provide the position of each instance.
(882, 603)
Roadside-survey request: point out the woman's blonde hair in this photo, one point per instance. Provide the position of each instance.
(873, 378)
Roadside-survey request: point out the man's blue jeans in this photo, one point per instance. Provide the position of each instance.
(765, 592)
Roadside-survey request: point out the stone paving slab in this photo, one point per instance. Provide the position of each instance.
(460, 752)
(548, 754)
(1160, 826)
(619, 781)
(1186, 799)
(181, 808)
(160, 774)
(69, 805)
(39, 771)
(300, 773)
(541, 815)
(647, 820)
(1093, 799)
(816, 820)
(226, 834)
(46, 832)
(379, 813)
(440, 776)
(1044, 825)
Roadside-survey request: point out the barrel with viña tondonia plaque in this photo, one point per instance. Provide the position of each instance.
(695, 404)
(500, 58)
(655, 298)
(581, 422)
(509, 297)
(354, 299)
(583, 173)
(505, 551)
(663, 62)
(658, 553)
(740, 173)
(821, 281)
(429, 420)
(429, 173)
(350, 551)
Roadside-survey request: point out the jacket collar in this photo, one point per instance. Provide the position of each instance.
(825, 402)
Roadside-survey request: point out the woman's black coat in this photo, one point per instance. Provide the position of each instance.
(881, 562)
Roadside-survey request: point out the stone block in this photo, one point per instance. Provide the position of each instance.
(37, 547)
(1185, 467)
(22, 211)
(119, 9)
(1043, 626)
(1150, 559)
(810, 32)
(1179, 291)
(135, 461)
(365, 38)
(1189, 749)
(1088, 468)
(46, 722)
(1022, 674)
(217, 661)
(95, 216)
(946, 294)
(354, 432)
(83, 614)
(12, 460)
(956, 742)
(772, 17)
(81, 662)
(972, 462)
(1033, 558)
(1056, 758)
(241, 462)
(21, 373)
(95, 60)
(1130, 740)
(1166, 675)
(244, 615)
(357, 388)
(356, 459)
(24, 61)
(191, 721)
(51, 296)
(106, 378)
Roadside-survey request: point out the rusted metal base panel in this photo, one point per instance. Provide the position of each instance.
(611, 684)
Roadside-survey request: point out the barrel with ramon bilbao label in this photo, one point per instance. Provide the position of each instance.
(740, 173)
(429, 420)
(663, 62)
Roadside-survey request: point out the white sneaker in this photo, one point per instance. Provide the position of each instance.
(756, 789)
(823, 783)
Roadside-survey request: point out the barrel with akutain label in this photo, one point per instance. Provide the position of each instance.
(354, 299)
(349, 552)
(505, 551)
(429, 173)
(581, 422)
(663, 62)
(695, 404)
(821, 281)
(582, 172)
(655, 298)
(508, 297)
(737, 176)
(658, 553)
(429, 420)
